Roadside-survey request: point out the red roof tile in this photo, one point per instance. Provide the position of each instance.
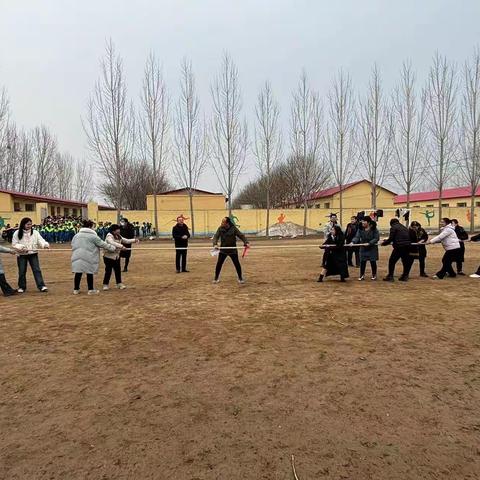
(459, 192)
(43, 198)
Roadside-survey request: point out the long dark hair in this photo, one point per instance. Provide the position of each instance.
(21, 228)
(229, 221)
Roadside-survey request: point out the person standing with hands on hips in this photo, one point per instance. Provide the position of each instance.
(181, 234)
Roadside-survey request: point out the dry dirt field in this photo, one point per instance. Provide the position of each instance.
(176, 378)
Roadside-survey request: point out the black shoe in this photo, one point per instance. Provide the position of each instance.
(125, 270)
(178, 271)
(350, 264)
(320, 278)
(342, 280)
(424, 275)
(185, 271)
(403, 278)
(388, 278)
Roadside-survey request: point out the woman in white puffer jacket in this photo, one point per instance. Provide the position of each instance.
(26, 241)
(448, 238)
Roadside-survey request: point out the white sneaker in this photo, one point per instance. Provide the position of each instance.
(434, 277)
(76, 292)
(361, 279)
(93, 292)
(44, 289)
(216, 281)
(106, 287)
(20, 290)
(474, 275)
(373, 278)
(241, 281)
(121, 286)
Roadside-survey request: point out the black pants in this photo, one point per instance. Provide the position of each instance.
(22, 262)
(421, 264)
(77, 279)
(126, 254)
(4, 285)
(350, 253)
(181, 260)
(398, 253)
(449, 257)
(221, 259)
(110, 265)
(363, 267)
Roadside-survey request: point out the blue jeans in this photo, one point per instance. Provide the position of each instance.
(22, 262)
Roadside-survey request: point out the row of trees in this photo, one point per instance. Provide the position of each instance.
(30, 161)
(412, 138)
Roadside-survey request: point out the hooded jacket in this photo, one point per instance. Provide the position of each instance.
(447, 237)
(85, 251)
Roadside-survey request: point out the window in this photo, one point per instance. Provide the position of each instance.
(429, 206)
(462, 204)
(327, 205)
(52, 211)
(29, 207)
(477, 204)
(74, 212)
(17, 207)
(58, 211)
(66, 210)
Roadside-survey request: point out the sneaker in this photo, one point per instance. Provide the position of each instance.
(474, 275)
(373, 278)
(178, 271)
(388, 278)
(185, 271)
(435, 277)
(105, 287)
(424, 275)
(461, 274)
(93, 292)
(216, 280)
(241, 281)
(44, 289)
(76, 292)
(361, 279)
(20, 290)
(403, 279)
(121, 286)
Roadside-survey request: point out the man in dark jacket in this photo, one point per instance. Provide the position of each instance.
(350, 233)
(181, 234)
(127, 230)
(400, 239)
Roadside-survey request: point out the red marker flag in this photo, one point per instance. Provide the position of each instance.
(246, 248)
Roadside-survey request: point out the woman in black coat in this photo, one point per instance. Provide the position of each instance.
(418, 252)
(335, 260)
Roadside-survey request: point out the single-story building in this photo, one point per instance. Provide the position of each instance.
(179, 199)
(452, 197)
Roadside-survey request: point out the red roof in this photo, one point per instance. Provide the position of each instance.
(328, 192)
(43, 198)
(459, 192)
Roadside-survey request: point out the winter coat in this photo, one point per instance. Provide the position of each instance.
(399, 236)
(372, 237)
(335, 260)
(420, 235)
(447, 237)
(461, 235)
(228, 238)
(128, 232)
(85, 251)
(350, 232)
(475, 238)
(110, 239)
(3, 250)
(178, 231)
(31, 239)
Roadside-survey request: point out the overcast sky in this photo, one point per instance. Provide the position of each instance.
(50, 49)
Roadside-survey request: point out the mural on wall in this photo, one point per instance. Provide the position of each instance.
(180, 216)
(284, 228)
(281, 218)
(2, 222)
(429, 215)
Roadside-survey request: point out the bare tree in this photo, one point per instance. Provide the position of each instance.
(190, 157)
(82, 184)
(5, 146)
(110, 124)
(267, 146)
(44, 147)
(228, 133)
(375, 134)
(470, 133)
(305, 168)
(441, 93)
(154, 124)
(24, 155)
(64, 175)
(408, 145)
(340, 134)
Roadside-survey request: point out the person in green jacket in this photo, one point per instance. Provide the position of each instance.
(227, 234)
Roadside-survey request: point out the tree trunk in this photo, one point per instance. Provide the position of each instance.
(305, 211)
(190, 194)
(267, 230)
(440, 212)
(341, 205)
(155, 213)
(472, 213)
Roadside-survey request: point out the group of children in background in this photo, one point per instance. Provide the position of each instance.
(408, 245)
(359, 241)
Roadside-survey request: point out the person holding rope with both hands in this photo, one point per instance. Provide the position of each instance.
(227, 233)
(334, 260)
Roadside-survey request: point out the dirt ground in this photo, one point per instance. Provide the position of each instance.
(176, 378)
